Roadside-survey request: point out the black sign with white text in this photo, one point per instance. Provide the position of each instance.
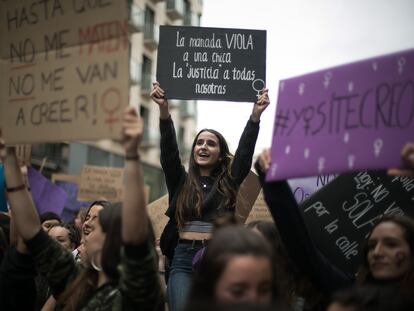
(342, 213)
(211, 63)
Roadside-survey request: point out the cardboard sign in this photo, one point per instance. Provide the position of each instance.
(65, 80)
(101, 183)
(156, 211)
(348, 118)
(341, 214)
(247, 196)
(260, 211)
(66, 178)
(303, 188)
(211, 63)
(47, 196)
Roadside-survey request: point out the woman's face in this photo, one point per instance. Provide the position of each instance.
(91, 219)
(389, 255)
(61, 235)
(206, 151)
(246, 278)
(94, 242)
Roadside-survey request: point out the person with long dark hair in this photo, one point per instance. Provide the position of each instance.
(122, 266)
(237, 267)
(387, 258)
(197, 197)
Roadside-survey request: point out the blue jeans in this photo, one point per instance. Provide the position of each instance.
(181, 271)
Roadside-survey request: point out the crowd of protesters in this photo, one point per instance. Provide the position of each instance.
(107, 259)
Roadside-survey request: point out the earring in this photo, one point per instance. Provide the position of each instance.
(94, 265)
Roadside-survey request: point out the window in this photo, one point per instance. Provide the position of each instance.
(146, 73)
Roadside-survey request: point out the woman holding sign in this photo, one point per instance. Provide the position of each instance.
(121, 271)
(387, 258)
(199, 197)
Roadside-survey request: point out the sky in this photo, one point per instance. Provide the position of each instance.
(303, 36)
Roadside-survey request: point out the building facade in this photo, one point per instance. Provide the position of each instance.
(145, 17)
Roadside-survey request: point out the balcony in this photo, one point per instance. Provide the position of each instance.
(151, 36)
(136, 17)
(175, 9)
(135, 72)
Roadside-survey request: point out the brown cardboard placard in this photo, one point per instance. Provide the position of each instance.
(65, 80)
(67, 178)
(100, 183)
(247, 195)
(156, 211)
(260, 211)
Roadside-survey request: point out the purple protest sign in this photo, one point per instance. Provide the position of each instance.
(347, 118)
(47, 196)
(72, 205)
(303, 188)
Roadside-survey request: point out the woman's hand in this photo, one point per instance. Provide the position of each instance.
(260, 105)
(407, 156)
(158, 96)
(132, 131)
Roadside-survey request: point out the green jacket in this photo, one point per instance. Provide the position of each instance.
(138, 287)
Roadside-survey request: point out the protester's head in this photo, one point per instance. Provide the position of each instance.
(210, 152)
(286, 273)
(80, 217)
(66, 234)
(48, 220)
(388, 253)
(237, 267)
(92, 215)
(100, 255)
(369, 298)
(103, 243)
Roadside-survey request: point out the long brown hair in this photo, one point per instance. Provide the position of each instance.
(190, 198)
(84, 285)
(227, 242)
(407, 225)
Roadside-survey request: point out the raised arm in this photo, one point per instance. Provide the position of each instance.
(244, 154)
(134, 213)
(300, 247)
(139, 284)
(260, 105)
(158, 96)
(24, 212)
(170, 156)
(51, 260)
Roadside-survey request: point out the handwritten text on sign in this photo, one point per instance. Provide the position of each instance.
(64, 80)
(100, 183)
(211, 63)
(341, 214)
(347, 118)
